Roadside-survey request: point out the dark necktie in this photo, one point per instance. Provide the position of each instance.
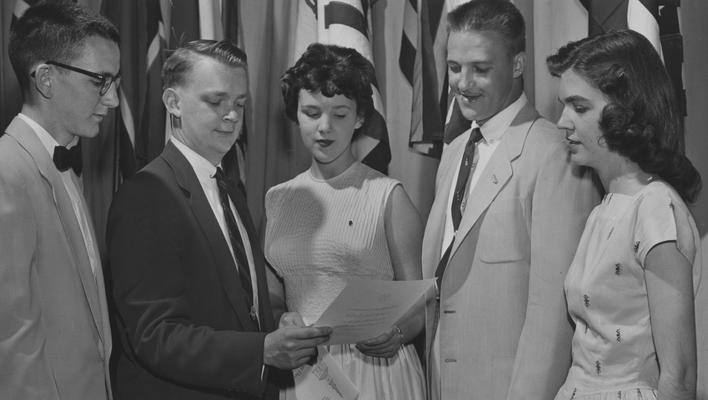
(463, 176)
(466, 166)
(68, 158)
(244, 274)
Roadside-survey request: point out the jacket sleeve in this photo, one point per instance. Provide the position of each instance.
(150, 290)
(24, 369)
(562, 199)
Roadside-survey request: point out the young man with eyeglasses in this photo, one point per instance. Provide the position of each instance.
(55, 339)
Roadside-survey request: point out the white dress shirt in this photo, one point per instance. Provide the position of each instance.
(205, 172)
(74, 189)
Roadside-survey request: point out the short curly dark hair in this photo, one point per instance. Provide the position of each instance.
(641, 121)
(330, 70)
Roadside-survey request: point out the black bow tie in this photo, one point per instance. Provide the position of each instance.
(68, 158)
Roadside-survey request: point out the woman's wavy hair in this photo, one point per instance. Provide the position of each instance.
(330, 70)
(641, 120)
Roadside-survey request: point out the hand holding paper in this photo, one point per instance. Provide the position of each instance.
(291, 346)
(384, 345)
(366, 309)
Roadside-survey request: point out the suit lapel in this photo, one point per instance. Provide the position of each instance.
(78, 254)
(435, 227)
(496, 173)
(205, 218)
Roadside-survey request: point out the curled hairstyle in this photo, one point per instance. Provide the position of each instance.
(500, 16)
(180, 63)
(641, 120)
(53, 32)
(330, 70)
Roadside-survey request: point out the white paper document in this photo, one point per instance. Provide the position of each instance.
(323, 381)
(368, 308)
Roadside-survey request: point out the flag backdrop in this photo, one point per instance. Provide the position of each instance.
(657, 20)
(423, 64)
(346, 23)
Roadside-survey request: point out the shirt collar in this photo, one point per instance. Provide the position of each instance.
(44, 136)
(202, 167)
(493, 130)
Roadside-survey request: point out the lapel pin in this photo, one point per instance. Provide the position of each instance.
(494, 179)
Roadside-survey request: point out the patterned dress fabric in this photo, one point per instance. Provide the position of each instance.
(319, 234)
(613, 350)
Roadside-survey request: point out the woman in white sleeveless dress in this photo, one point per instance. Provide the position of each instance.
(341, 219)
(630, 288)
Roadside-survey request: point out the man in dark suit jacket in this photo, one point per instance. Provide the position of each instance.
(188, 275)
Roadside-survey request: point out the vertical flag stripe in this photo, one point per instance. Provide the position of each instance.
(345, 14)
(421, 28)
(657, 20)
(151, 138)
(642, 18)
(406, 60)
(409, 40)
(672, 47)
(234, 161)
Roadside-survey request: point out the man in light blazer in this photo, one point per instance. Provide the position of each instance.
(501, 329)
(188, 274)
(55, 339)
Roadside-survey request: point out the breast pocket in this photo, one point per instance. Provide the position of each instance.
(504, 235)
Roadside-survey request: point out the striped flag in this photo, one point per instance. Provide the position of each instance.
(657, 20)
(423, 63)
(150, 138)
(139, 128)
(346, 23)
(235, 160)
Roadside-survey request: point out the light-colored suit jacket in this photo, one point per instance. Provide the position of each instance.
(55, 338)
(502, 323)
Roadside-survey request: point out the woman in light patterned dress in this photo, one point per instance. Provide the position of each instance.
(341, 219)
(631, 286)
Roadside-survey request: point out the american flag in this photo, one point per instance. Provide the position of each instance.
(422, 61)
(657, 20)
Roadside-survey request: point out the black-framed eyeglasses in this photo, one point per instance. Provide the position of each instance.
(105, 80)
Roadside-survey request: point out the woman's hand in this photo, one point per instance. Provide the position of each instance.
(385, 345)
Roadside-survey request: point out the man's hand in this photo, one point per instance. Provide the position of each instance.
(293, 344)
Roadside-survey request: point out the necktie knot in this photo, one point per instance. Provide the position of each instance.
(68, 158)
(220, 177)
(475, 136)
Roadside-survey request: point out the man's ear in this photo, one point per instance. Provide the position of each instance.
(170, 98)
(519, 62)
(43, 80)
